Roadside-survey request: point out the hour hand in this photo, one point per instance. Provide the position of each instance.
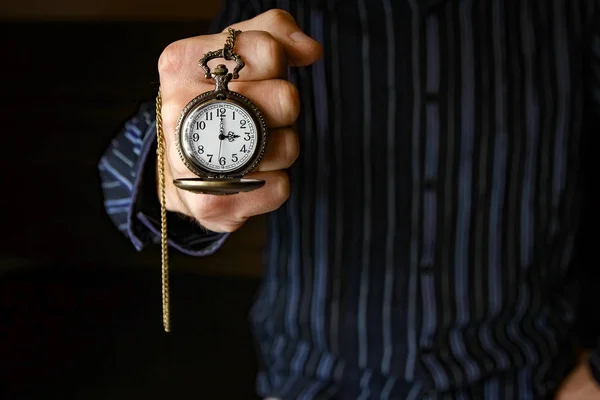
(231, 136)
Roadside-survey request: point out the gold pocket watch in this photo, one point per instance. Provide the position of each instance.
(220, 136)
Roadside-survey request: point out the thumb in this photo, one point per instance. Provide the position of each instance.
(300, 49)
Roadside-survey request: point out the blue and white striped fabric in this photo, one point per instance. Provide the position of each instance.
(425, 251)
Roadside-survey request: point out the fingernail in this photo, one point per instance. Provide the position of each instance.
(299, 36)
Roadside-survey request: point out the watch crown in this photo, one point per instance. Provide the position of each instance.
(220, 69)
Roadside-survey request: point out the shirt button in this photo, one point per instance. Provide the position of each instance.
(427, 267)
(429, 184)
(431, 97)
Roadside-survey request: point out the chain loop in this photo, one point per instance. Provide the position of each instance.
(230, 42)
(160, 151)
(228, 53)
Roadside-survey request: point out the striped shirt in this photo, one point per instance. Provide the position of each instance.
(427, 248)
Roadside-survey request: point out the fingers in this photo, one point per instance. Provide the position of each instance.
(299, 48)
(229, 213)
(263, 56)
(278, 100)
(282, 150)
(267, 44)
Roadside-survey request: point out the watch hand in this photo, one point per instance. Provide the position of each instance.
(220, 144)
(231, 136)
(221, 129)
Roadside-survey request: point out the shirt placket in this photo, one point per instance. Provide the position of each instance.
(429, 66)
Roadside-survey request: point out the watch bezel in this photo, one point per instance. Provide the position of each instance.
(239, 100)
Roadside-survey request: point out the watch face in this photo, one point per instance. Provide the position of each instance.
(220, 136)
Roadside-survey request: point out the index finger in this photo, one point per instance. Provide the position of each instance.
(263, 56)
(300, 49)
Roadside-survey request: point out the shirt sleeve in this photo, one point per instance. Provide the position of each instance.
(589, 310)
(128, 170)
(128, 177)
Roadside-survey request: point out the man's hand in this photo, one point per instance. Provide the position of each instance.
(580, 384)
(269, 43)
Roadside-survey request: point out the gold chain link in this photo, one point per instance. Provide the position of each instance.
(160, 152)
(230, 42)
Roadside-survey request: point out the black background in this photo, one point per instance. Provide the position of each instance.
(80, 311)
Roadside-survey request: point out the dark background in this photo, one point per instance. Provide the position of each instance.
(80, 309)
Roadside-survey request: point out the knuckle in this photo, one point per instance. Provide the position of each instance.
(278, 15)
(171, 58)
(282, 187)
(270, 49)
(292, 148)
(290, 101)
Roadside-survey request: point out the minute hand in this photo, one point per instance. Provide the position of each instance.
(221, 137)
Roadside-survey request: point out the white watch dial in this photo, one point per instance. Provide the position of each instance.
(220, 136)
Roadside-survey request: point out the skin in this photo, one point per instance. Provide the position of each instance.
(269, 43)
(580, 384)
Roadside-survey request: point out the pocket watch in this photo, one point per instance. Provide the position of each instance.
(220, 135)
